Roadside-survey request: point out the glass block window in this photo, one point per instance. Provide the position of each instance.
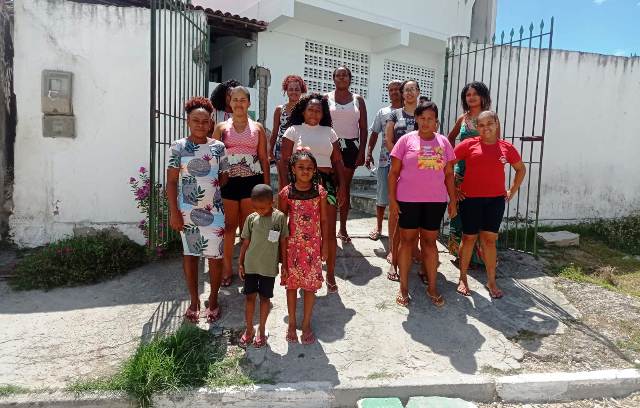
(321, 59)
(401, 71)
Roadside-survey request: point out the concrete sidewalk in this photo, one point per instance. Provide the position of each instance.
(49, 339)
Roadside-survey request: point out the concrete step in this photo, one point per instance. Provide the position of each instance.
(365, 201)
(380, 403)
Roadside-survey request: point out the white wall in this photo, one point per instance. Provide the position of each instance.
(282, 51)
(64, 183)
(235, 57)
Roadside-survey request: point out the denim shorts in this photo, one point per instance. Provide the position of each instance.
(382, 187)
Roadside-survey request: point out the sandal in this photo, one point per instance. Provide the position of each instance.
(393, 275)
(401, 300)
(374, 235)
(308, 338)
(332, 288)
(463, 292)
(343, 237)
(192, 315)
(436, 300)
(245, 340)
(212, 315)
(226, 282)
(497, 294)
(260, 341)
(292, 338)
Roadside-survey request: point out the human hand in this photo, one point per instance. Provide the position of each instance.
(369, 161)
(241, 271)
(176, 222)
(460, 194)
(284, 273)
(360, 159)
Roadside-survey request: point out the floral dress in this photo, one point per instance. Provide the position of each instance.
(199, 198)
(304, 257)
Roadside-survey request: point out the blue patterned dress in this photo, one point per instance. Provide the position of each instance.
(199, 198)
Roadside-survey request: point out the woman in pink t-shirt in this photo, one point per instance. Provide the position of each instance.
(420, 181)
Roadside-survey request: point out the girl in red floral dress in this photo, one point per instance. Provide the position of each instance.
(305, 201)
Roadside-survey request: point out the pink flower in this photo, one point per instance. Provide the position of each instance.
(132, 180)
(142, 170)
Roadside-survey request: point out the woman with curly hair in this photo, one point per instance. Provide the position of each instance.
(294, 87)
(309, 127)
(246, 164)
(195, 204)
(220, 99)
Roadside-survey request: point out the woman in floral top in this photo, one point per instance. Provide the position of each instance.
(195, 203)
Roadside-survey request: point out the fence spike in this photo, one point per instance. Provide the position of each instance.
(541, 24)
(531, 29)
(493, 38)
(521, 30)
(512, 33)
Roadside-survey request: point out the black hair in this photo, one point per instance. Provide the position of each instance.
(346, 69)
(482, 91)
(219, 95)
(297, 118)
(426, 106)
(423, 99)
(241, 89)
(299, 154)
(406, 82)
(262, 192)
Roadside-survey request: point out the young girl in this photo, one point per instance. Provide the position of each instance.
(475, 98)
(305, 201)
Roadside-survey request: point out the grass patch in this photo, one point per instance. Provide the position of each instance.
(379, 375)
(189, 358)
(7, 390)
(77, 261)
(633, 342)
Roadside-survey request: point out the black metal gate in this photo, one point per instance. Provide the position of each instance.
(179, 70)
(517, 73)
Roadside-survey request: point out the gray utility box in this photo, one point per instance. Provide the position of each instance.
(58, 126)
(56, 92)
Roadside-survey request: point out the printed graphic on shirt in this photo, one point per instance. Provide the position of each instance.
(431, 158)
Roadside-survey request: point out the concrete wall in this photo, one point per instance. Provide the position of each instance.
(64, 183)
(591, 144)
(235, 58)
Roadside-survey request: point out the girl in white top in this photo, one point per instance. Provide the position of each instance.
(311, 130)
(349, 116)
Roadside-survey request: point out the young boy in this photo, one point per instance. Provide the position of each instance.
(264, 237)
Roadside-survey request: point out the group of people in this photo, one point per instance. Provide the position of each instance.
(218, 179)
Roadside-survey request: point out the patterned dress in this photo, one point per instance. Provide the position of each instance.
(304, 256)
(199, 198)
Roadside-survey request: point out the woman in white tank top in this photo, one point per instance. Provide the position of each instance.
(349, 116)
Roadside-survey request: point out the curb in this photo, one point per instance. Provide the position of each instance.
(525, 388)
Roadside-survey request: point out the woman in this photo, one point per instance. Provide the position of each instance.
(195, 206)
(420, 179)
(401, 121)
(475, 98)
(483, 195)
(220, 99)
(349, 117)
(246, 164)
(310, 128)
(294, 86)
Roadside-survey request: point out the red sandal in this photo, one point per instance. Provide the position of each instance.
(245, 340)
(192, 315)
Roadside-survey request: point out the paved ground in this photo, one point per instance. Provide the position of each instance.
(48, 339)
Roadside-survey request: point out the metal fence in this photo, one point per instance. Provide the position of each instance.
(517, 71)
(179, 70)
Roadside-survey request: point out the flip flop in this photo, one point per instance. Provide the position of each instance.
(438, 301)
(344, 238)
(393, 275)
(374, 235)
(494, 295)
(401, 300)
(260, 341)
(332, 288)
(308, 338)
(245, 340)
(212, 315)
(192, 315)
(291, 339)
(463, 293)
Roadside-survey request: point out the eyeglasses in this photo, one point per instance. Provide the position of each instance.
(412, 89)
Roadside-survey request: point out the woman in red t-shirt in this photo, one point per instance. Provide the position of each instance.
(483, 195)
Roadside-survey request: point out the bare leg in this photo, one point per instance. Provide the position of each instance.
(246, 208)
(283, 175)
(231, 219)
(292, 297)
(215, 279)
(466, 250)
(309, 301)
(394, 238)
(488, 244)
(379, 217)
(249, 310)
(408, 238)
(344, 210)
(190, 267)
(333, 244)
(430, 258)
(265, 307)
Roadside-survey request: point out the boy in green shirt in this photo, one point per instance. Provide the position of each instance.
(264, 238)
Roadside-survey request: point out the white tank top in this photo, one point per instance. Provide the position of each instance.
(346, 118)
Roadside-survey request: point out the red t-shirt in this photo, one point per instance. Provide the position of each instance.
(484, 166)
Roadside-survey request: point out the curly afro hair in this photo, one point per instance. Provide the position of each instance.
(297, 117)
(483, 93)
(219, 94)
(198, 102)
(294, 78)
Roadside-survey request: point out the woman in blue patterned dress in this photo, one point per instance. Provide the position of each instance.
(195, 204)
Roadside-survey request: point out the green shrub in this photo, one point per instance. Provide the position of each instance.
(77, 261)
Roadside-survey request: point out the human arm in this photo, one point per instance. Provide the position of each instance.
(456, 130)
(263, 156)
(274, 132)
(392, 182)
(521, 171)
(362, 124)
(286, 150)
(388, 132)
(243, 252)
(338, 168)
(373, 139)
(176, 222)
(449, 180)
(218, 130)
(324, 226)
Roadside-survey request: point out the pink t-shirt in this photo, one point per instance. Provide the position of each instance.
(423, 163)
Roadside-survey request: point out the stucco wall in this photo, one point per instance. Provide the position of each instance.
(64, 183)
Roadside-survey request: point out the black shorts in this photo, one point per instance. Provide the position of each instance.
(254, 283)
(481, 214)
(328, 181)
(427, 216)
(239, 188)
(350, 148)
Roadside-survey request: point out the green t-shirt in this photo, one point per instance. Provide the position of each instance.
(262, 255)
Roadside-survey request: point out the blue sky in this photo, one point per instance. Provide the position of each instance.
(601, 26)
